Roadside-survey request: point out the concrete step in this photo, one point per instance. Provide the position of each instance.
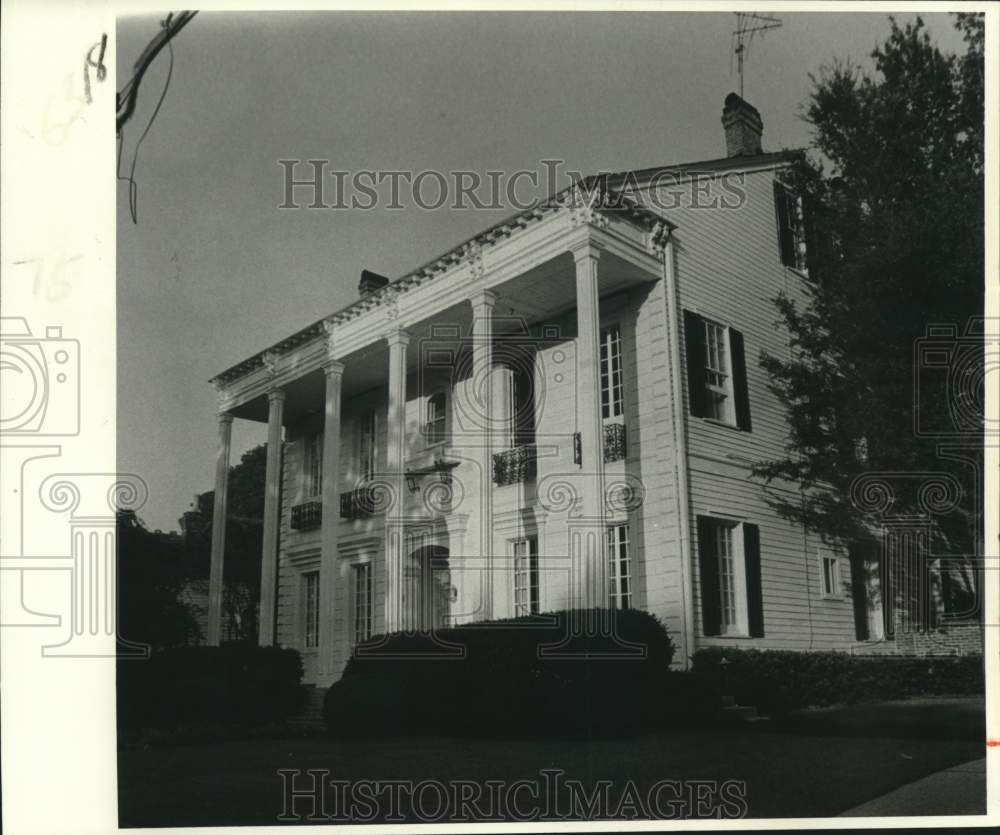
(744, 713)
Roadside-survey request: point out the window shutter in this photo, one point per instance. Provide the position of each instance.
(859, 592)
(755, 596)
(810, 232)
(711, 614)
(740, 390)
(786, 246)
(694, 342)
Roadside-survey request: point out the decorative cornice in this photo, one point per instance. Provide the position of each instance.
(469, 254)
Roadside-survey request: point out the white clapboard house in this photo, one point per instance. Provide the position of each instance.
(559, 412)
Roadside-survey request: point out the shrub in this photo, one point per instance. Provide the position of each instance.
(776, 681)
(506, 679)
(234, 683)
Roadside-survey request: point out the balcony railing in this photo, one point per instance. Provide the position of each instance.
(358, 504)
(514, 465)
(615, 442)
(307, 515)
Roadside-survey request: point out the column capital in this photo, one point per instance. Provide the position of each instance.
(397, 337)
(225, 417)
(483, 298)
(276, 394)
(585, 250)
(333, 368)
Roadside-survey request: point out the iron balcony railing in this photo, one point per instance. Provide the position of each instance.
(514, 465)
(359, 503)
(615, 444)
(307, 515)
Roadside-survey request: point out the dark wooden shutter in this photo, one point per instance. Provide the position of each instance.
(755, 592)
(740, 389)
(786, 246)
(859, 591)
(708, 563)
(694, 341)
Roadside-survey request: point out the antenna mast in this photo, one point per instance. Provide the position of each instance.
(749, 24)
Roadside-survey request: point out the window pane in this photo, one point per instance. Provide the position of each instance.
(612, 404)
(525, 576)
(727, 579)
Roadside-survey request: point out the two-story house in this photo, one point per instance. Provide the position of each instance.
(560, 412)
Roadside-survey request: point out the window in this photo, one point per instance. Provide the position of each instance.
(367, 451)
(362, 602)
(727, 578)
(731, 591)
(436, 411)
(314, 465)
(310, 593)
(620, 567)
(791, 228)
(612, 404)
(525, 576)
(718, 392)
(830, 573)
(716, 371)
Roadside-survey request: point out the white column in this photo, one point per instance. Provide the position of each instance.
(219, 531)
(330, 661)
(592, 582)
(395, 466)
(272, 515)
(482, 376)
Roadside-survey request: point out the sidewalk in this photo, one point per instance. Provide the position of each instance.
(960, 790)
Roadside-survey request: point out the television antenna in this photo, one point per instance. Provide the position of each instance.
(749, 24)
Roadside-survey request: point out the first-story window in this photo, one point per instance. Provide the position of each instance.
(314, 465)
(310, 595)
(731, 591)
(363, 602)
(436, 418)
(525, 576)
(620, 567)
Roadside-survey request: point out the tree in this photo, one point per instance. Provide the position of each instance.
(896, 243)
(244, 540)
(150, 584)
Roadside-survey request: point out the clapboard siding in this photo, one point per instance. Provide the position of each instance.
(728, 269)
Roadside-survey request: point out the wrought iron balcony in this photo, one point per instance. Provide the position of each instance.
(307, 515)
(615, 442)
(514, 465)
(358, 504)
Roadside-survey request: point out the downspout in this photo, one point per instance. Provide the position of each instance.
(680, 435)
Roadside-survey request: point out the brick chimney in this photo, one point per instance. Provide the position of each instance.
(743, 127)
(370, 282)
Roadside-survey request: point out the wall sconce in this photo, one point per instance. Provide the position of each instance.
(413, 481)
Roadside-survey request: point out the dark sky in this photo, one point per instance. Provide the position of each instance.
(213, 272)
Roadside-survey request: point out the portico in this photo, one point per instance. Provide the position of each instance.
(441, 380)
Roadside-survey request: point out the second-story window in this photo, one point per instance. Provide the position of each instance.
(718, 383)
(367, 449)
(437, 406)
(791, 219)
(612, 401)
(716, 371)
(314, 465)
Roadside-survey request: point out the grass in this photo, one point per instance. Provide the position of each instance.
(816, 764)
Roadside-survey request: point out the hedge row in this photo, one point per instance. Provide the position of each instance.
(234, 683)
(776, 681)
(560, 674)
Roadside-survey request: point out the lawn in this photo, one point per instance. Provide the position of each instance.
(820, 764)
